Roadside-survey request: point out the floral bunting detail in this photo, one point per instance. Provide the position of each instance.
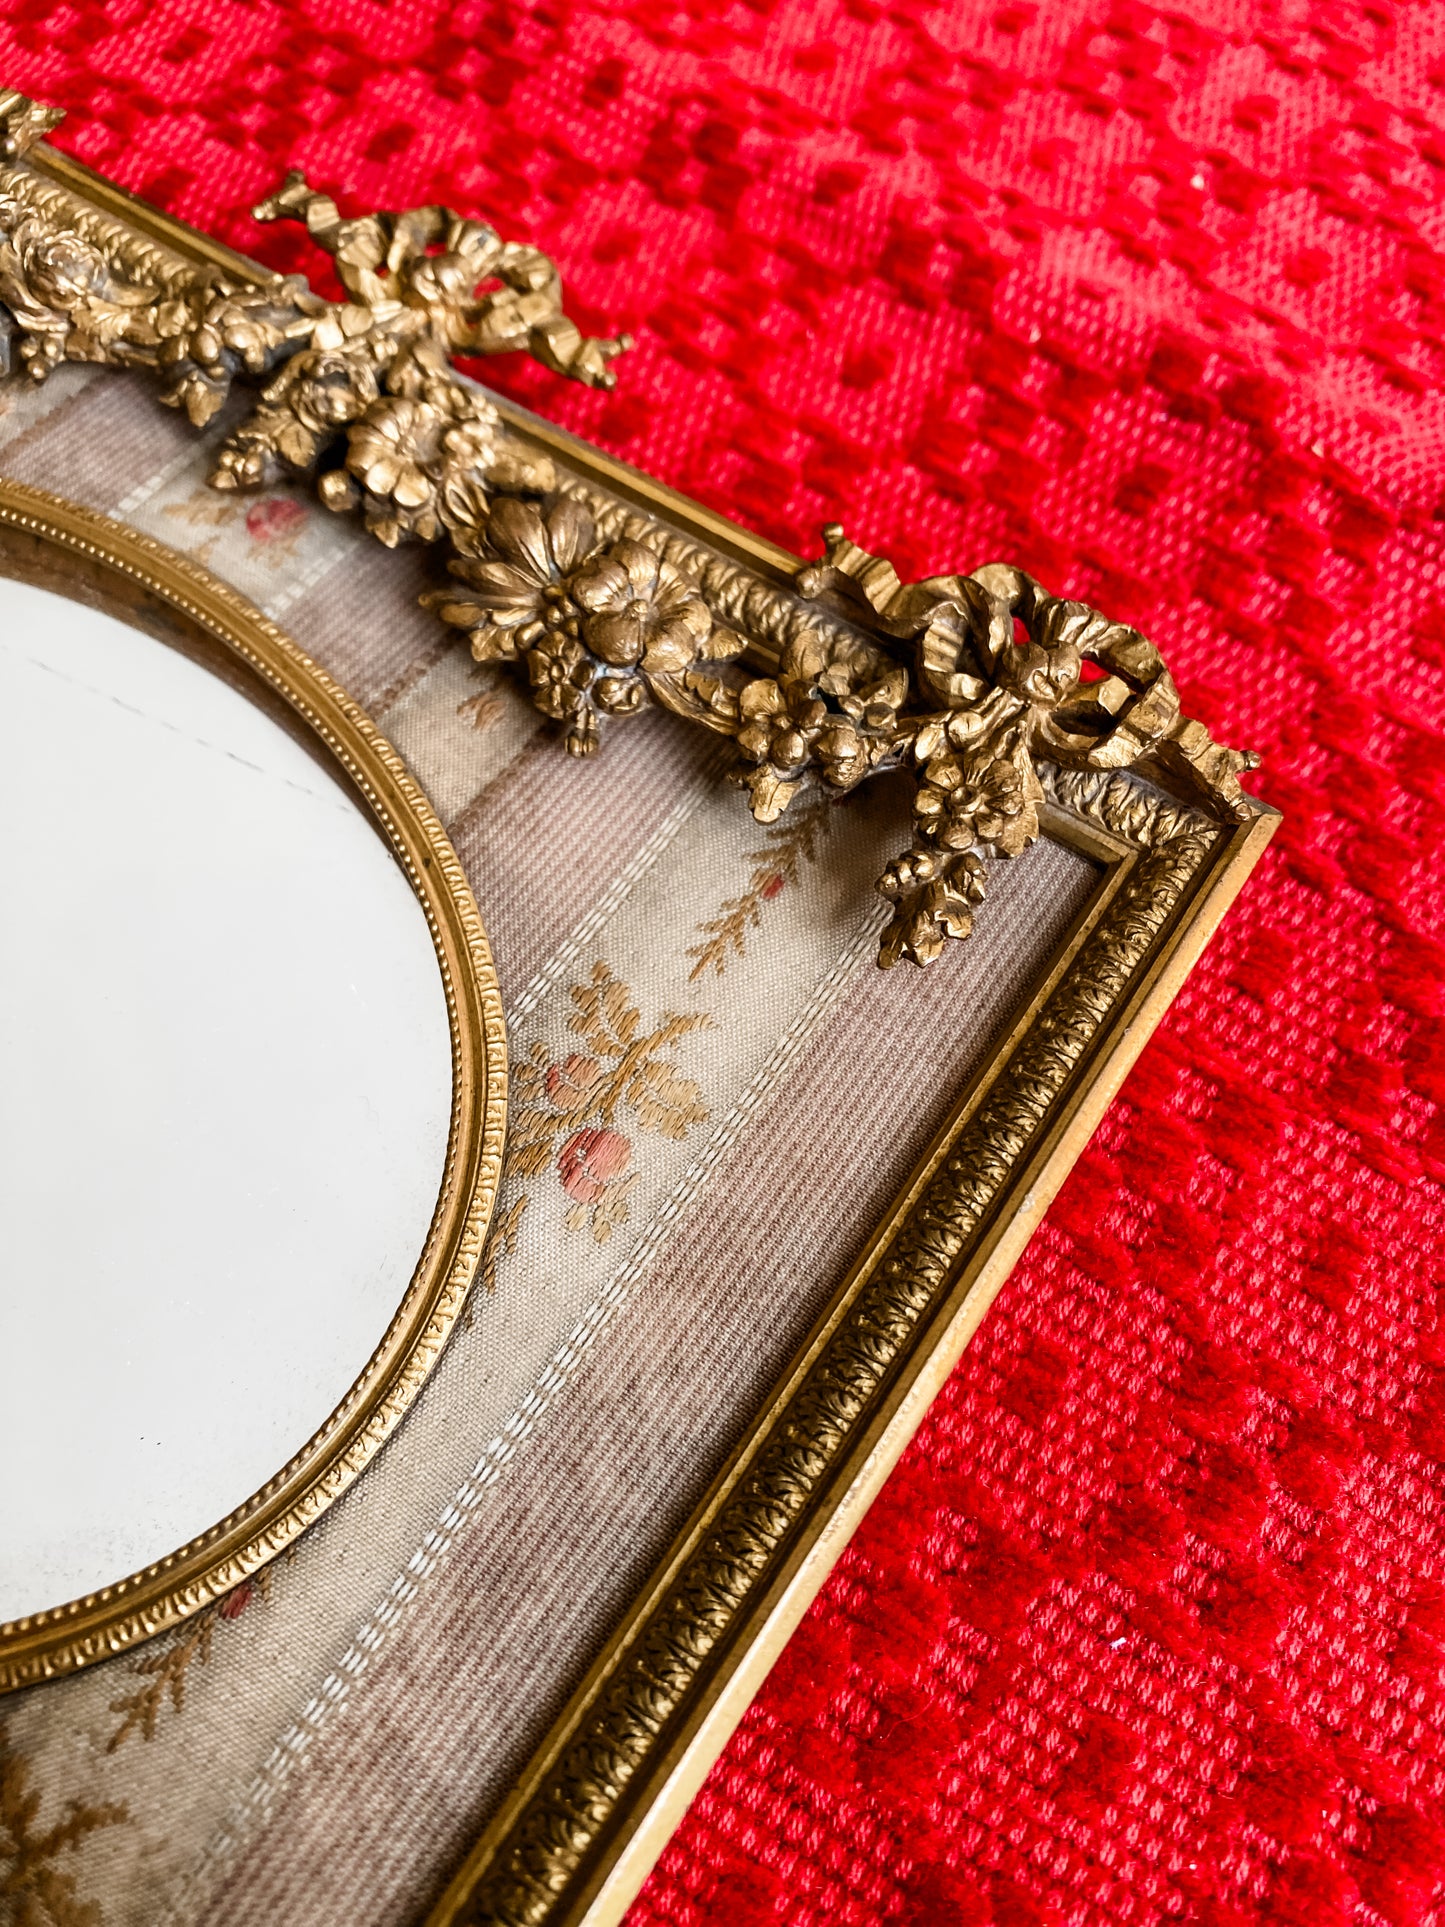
(571, 1114)
(968, 682)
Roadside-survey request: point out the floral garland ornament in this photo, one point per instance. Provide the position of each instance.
(1007, 664)
(997, 676)
(830, 717)
(967, 681)
(422, 286)
(602, 631)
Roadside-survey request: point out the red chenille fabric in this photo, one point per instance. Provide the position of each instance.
(1150, 1623)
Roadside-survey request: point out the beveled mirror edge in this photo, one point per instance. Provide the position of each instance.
(83, 1631)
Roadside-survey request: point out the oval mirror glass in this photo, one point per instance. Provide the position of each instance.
(226, 1108)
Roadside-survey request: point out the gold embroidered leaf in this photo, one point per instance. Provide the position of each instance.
(664, 1101)
(165, 1668)
(572, 1084)
(502, 1241)
(163, 1677)
(775, 867)
(529, 1150)
(612, 1208)
(534, 1121)
(603, 1015)
(34, 1891)
(622, 1016)
(675, 1025)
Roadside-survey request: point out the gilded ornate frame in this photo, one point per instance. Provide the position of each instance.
(56, 543)
(581, 1829)
(1136, 787)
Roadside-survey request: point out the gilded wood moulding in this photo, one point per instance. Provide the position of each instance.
(1014, 712)
(969, 682)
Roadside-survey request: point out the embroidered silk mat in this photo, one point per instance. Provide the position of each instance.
(1148, 1626)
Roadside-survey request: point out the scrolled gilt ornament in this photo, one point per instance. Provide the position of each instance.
(23, 121)
(1014, 678)
(974, 684)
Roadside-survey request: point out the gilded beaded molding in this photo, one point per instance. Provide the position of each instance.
(974, 684)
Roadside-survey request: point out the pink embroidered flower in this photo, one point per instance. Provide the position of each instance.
(235, 1603)
(274, 516)
(590, 1160)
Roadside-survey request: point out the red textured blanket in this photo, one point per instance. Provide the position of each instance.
(1150, 1624)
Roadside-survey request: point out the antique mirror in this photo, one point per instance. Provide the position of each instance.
(758, 1194)
(251, 1108)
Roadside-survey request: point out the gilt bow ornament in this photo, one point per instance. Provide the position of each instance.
(967, 682)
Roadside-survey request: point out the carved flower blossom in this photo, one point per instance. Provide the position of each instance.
(987, 793)
(424, 461)
(562, 674)
(520, 593)
(781, 723)
(389, 451)
(597, 629)
(830, 710)
(209, 337)
(316, 395)
(235, 329)
(639, 609)
(61, 292)
(331, 388)
(68, 273)
(518, 602)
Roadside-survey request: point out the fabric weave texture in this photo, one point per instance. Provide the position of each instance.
(1149, 1625)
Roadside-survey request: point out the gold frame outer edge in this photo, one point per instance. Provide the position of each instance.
(580, 1831)
(104, 1623)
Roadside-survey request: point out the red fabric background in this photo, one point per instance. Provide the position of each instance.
(1150, 1625)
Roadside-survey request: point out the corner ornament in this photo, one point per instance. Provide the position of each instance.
(965, 682)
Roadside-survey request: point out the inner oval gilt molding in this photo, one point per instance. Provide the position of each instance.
(56, 544)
